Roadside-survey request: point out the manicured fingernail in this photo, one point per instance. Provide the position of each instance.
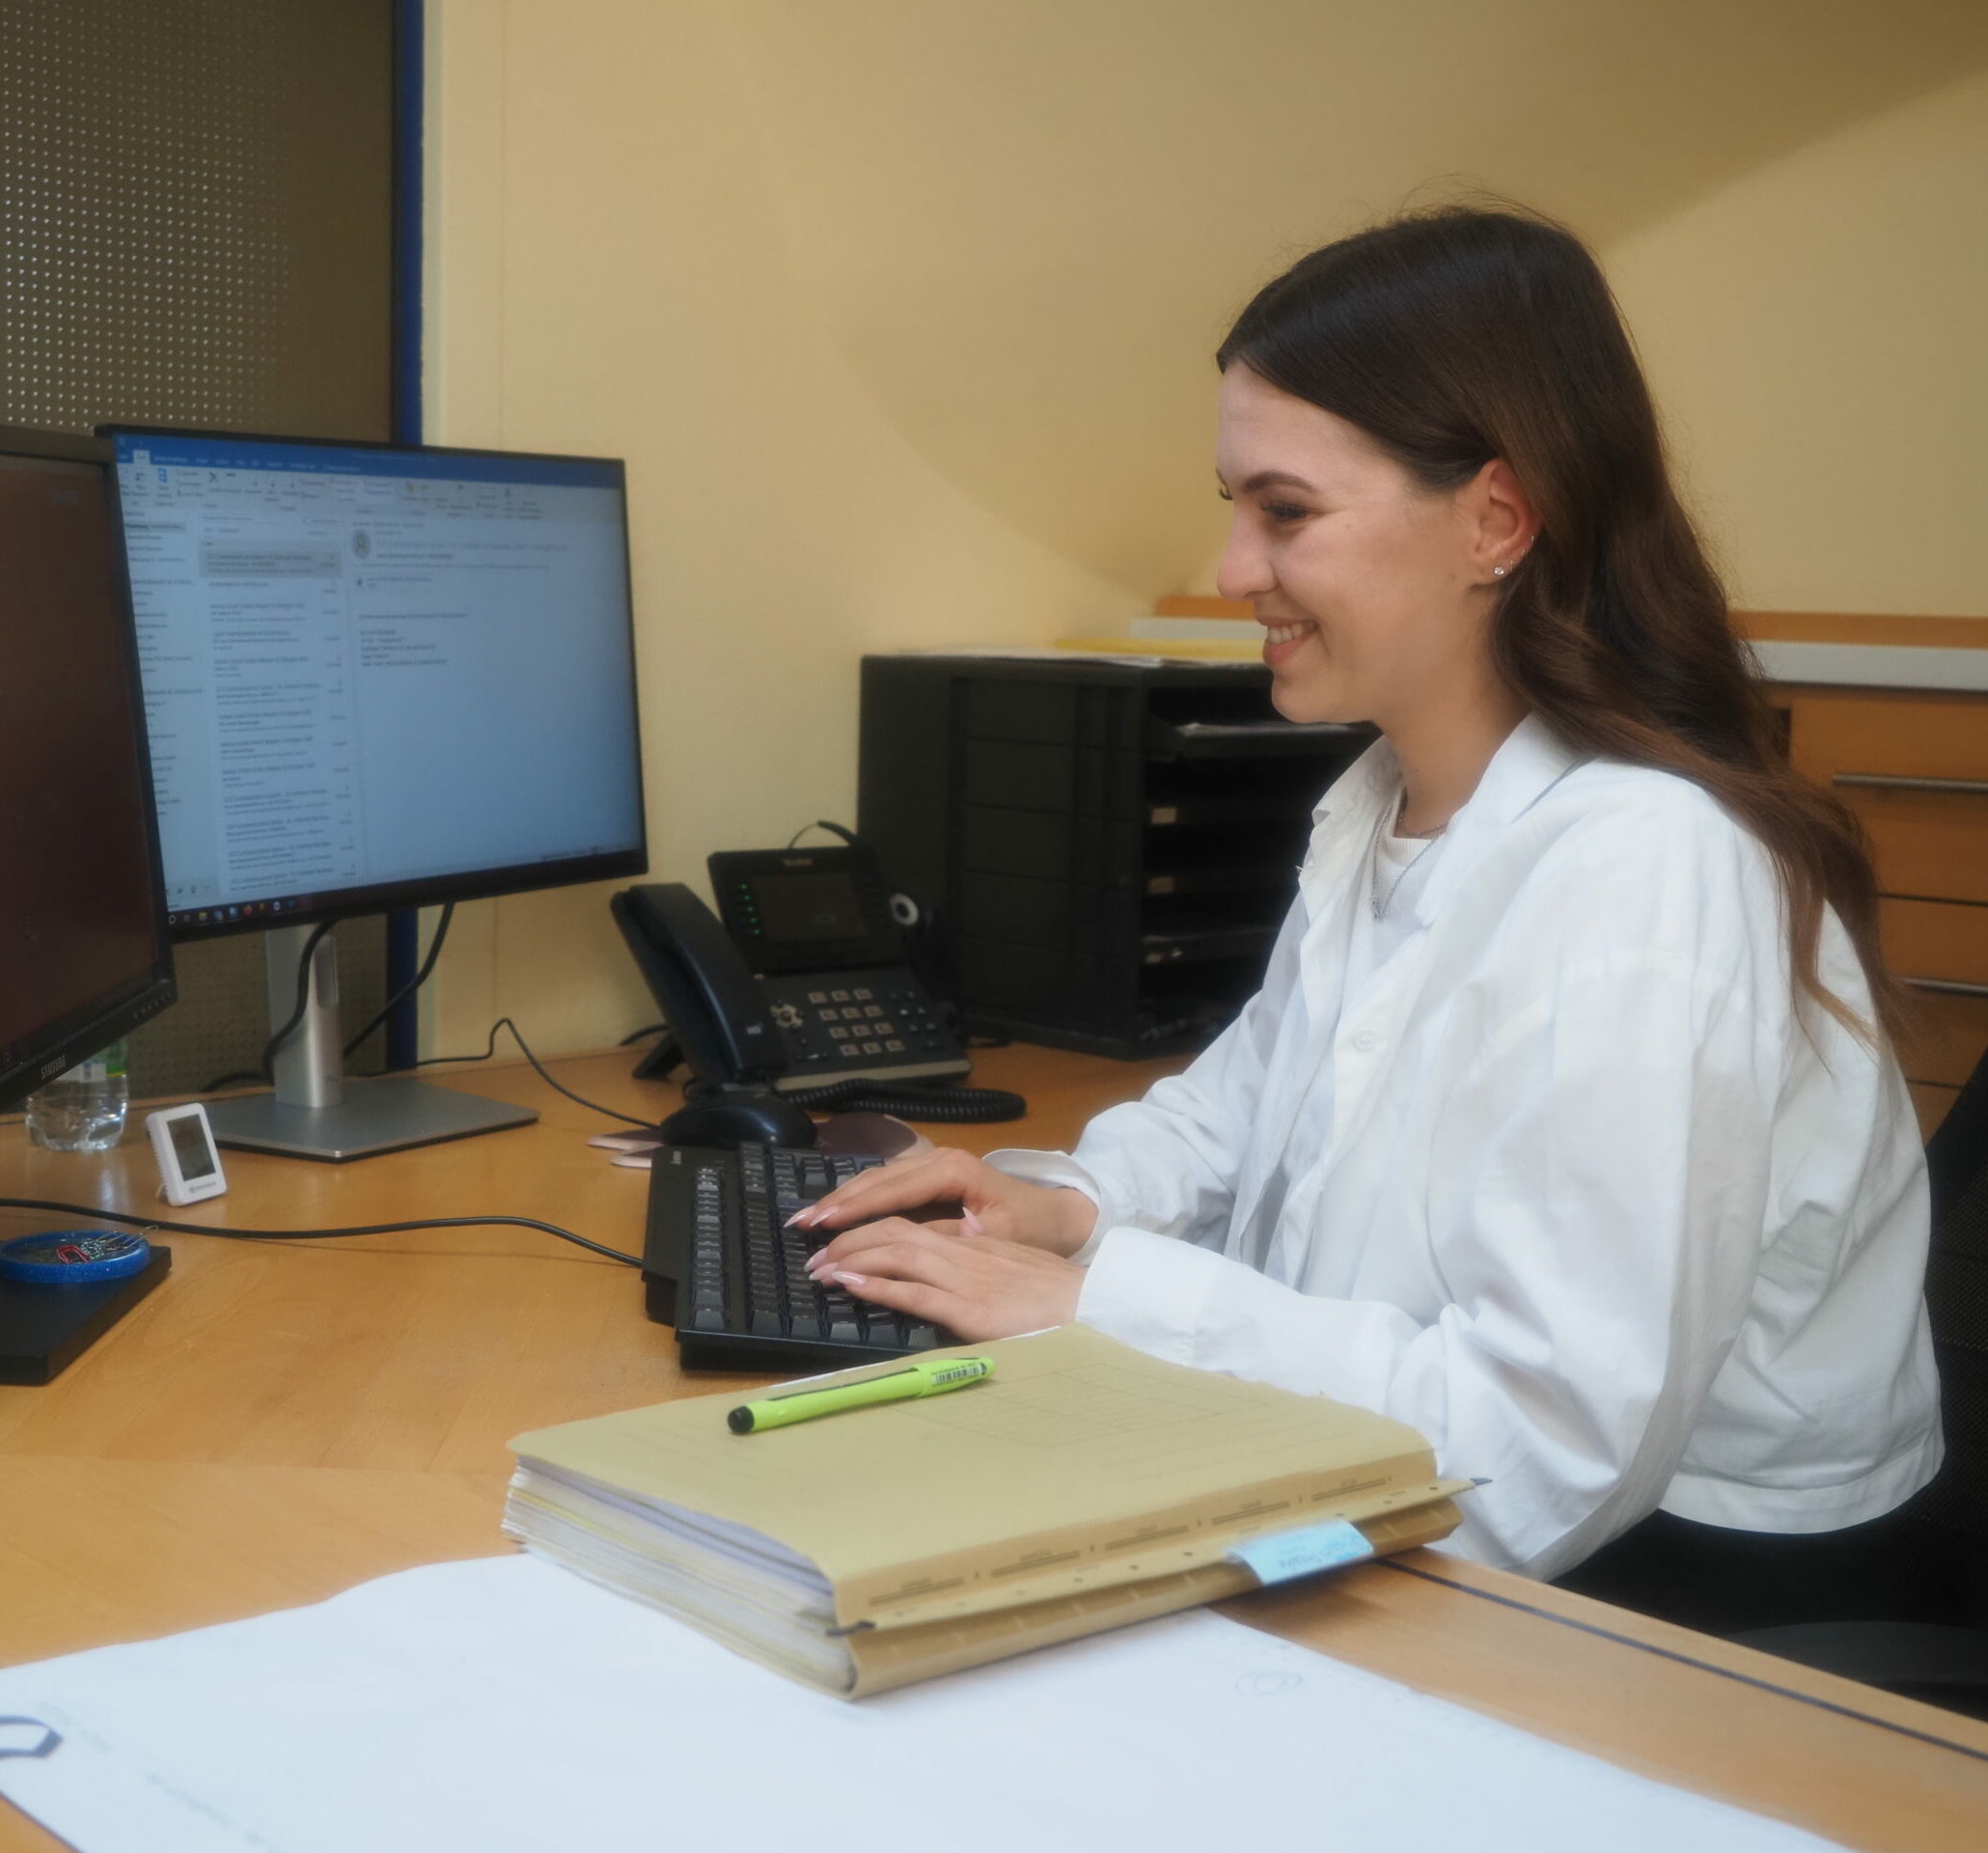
(802, 1218)
(847, 1278)
(971, 1223)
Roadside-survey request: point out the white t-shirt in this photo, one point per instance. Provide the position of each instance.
(1547, 1163)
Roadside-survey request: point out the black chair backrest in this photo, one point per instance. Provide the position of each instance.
(1956, 1504)
(1958, 1148)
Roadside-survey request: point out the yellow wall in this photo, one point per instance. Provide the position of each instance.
(1817, 334)
(610, 277)
(900, 312)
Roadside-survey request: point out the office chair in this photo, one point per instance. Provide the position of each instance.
(1944, 1661)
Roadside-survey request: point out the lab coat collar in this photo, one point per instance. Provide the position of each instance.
(1344, 822)
(1531, 762)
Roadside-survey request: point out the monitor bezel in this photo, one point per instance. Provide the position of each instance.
(479, 884)
(96, 1022)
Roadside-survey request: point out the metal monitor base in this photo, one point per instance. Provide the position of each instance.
(375, 1116)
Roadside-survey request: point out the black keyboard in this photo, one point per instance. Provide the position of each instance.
(723, 1268)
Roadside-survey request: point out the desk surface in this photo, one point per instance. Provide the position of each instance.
(280, 1422)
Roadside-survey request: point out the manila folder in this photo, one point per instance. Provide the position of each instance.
(1084, 1484)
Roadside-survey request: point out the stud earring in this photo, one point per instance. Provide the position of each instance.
(1498, 572)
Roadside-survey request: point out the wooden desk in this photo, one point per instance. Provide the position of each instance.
(280, 1422)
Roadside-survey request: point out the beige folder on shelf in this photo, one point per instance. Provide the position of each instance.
(1082, 1486)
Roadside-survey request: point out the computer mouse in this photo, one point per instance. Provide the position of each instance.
(741, 1116)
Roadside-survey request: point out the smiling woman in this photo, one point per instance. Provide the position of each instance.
(1565, 1125)
(1482, 355)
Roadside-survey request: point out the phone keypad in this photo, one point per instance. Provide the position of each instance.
(827, 1027)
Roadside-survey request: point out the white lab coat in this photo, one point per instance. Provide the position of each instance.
(1598, 1209)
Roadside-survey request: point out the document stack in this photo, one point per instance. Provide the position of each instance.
(1082, 1486)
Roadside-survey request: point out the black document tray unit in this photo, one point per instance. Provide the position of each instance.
(1109, 849)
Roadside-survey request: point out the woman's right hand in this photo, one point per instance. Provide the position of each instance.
(1034, 1216)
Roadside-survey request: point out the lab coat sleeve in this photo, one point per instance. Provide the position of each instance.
(1167, 1164)
(1596, 1199)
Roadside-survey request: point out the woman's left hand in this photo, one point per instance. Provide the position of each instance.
(952, 1275)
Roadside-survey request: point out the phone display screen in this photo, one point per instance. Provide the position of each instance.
(192, 1148)
(817, 905)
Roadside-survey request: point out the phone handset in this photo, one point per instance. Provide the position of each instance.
(716, 1008)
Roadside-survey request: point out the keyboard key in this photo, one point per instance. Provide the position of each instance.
(921, 1337)
(880, 1327)
(766, 1325)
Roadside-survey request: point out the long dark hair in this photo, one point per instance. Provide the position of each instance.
(1458, 335)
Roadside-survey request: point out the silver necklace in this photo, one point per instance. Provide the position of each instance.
(1382, 900)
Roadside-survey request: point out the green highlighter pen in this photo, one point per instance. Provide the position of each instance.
(924, 1377)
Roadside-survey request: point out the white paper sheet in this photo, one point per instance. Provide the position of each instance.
(505, 1705)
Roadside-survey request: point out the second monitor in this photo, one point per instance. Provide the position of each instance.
(375, 676)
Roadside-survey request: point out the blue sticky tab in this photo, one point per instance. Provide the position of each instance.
(1284, 1555)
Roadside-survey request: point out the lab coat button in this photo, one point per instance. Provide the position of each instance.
(1366, 1041)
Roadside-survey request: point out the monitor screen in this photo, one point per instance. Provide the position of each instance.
(379, 676)
(83, 951)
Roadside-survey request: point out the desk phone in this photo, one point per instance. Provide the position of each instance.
(801, 980)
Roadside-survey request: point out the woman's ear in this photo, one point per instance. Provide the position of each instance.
(1504, 524)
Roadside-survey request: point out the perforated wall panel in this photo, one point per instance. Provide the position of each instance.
(195, 229)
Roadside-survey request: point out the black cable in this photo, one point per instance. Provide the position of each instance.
(936, 1106)
(97, 1212)
(267, 1071)
(490, 1049)
(843, 831)
(414, 984)
(636, 1036)
(296, 1016)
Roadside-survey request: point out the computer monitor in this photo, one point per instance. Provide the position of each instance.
(84, 955)
(376, 676)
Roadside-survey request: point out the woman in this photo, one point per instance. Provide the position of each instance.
(1564, 1126)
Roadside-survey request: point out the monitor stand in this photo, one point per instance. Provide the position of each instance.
(315, 1110)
